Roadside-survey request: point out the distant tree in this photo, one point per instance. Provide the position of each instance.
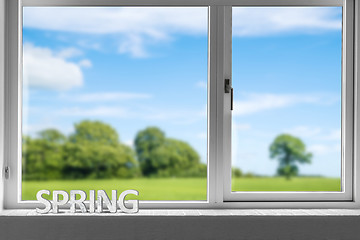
(94, 132)
(146, 142)
(174, 158)
(42, 159)
(52, 135)
(236, 172)
(289, 151)
(165, 157)
(99, 161)
(94, 151)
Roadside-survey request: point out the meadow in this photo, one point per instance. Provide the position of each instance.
(180, 188)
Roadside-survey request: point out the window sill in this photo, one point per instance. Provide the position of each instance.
(270, 224)
(199, 212)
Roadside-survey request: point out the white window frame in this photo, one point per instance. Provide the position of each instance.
(219, 193)
(347, 128)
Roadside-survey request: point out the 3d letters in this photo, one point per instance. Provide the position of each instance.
(102, 199)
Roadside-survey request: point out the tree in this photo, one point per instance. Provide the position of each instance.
(289, 151)
(94, 151)
(99, 161)
(41, 159)
(146, 142)
(94, 132)
(166, 157)
(52, 135)
(236, 172)
(174, 158)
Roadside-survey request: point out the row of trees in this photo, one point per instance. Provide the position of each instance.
(94, 151)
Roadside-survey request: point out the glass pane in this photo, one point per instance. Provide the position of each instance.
(286, 130)
(115, 98)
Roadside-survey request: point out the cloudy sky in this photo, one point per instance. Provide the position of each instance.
(140, 67)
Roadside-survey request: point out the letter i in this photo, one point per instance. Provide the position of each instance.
(92, 201)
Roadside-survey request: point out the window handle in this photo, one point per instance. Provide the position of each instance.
(227, 86)
(232, 99)
(229, 89)
(7, 172)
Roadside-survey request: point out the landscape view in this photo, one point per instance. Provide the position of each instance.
(116, 98)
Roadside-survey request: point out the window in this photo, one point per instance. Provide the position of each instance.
(183, 67)
(288, 77)
(125, 82)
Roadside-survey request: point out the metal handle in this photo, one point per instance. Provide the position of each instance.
(7, 172)
(232, 99)
(229, 89)
(227, 86)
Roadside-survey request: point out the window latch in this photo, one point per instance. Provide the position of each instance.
(229, 89)
(7, 172)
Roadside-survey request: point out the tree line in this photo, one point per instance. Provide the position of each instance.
(94, 151)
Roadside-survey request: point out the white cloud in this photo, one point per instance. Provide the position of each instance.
(44, 69)
(178, 117)
(262, 21)
(69, 53)
(256, 102)
(153, 21)
(141, 26)
(106, 96)
(138, 26)
(85, 63)
(134, 45)
(316, 133)
(305, 131)
(158, 22)
(101, 111)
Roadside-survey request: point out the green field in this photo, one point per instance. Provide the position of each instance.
(180, 188)
(281, 184)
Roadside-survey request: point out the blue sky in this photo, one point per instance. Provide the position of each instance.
(139, 67)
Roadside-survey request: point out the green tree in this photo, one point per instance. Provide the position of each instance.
(99, 161)
(94, 132)
(94, 151)
(52, 135)
(174, 158)
(289, 151)
(166, 157)
(41, 159)
(146, 142)
(236, 172)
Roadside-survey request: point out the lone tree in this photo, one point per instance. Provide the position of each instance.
(289, 151)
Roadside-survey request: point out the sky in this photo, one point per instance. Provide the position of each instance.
(139, 67)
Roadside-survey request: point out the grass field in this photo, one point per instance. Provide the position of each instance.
(180, 188)
(281, 184)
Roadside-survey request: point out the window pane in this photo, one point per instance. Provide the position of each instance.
(115, 98)
(286, 130)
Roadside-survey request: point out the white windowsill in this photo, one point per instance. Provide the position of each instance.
(200, 212)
